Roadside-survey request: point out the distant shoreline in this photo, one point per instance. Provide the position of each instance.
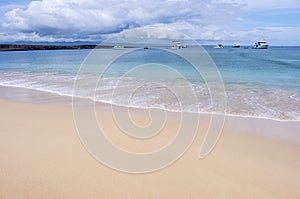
(34, 47)
(29, 47)
(26, 47)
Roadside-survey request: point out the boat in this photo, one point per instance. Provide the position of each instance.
(261, 44)
(146, 47)
(219, 46)
(178, 45)
(236, 45)
(117, 46)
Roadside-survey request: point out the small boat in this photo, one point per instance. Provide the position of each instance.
(219, 46)
(236, 45)
(146, 47)
(178, 45)
(261, 44)
(117, 46)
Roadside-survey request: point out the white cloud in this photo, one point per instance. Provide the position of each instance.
(93, 20)
(85, 19)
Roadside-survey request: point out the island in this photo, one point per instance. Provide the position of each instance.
(27, 47)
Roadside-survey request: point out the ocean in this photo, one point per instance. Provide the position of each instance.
(258, 83)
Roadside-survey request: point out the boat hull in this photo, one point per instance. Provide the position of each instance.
(261, 47)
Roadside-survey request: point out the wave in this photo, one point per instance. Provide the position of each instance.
(292, 116)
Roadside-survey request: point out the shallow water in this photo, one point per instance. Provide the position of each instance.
(258, 83)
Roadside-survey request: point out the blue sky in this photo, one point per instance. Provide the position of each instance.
(209, 21)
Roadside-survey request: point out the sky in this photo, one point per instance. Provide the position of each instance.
(207, 21)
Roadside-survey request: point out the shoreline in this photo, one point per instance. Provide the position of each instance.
(31, 47)
(66, 100)
(280, 130)
(35, 47)
(42, 156)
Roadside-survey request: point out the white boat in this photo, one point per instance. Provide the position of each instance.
(177, 45)
(261, 44)
(236, 45)
(117, 46)
(219, 46)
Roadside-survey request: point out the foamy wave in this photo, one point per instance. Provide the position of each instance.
(268, 104)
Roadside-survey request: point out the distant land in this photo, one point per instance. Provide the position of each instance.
(27, 47)
(78, 45)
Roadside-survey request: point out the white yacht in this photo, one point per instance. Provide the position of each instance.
(236, 45)
(261, 44)
(178, 45)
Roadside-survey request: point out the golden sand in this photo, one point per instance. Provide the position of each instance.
(41, 156)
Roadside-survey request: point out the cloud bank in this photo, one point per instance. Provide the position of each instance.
(94, 20)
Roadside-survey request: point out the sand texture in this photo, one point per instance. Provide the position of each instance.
(41, 156)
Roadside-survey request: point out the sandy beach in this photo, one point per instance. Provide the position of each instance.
(41, 156)
(171, 99)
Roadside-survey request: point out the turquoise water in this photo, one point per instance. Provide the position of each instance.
(258, 83)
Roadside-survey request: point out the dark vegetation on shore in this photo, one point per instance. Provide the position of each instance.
(27, 47)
